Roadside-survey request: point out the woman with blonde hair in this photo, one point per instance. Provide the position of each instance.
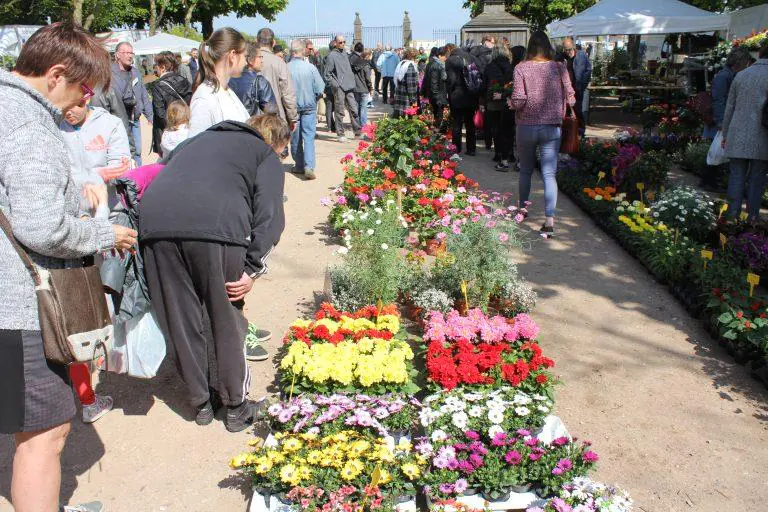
(222, 56)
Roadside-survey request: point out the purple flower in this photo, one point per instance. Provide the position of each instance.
(560, 505)
(442, 462)
(460, 486)
(523, 432)
(285, 416)
(454, 464)
(341, 200)
(425, 448)
(560, 441)
(471, 434)
(534, 456)
(500, 439)
(476, 460)
(513, 457)
(478, 447)
(446, 488)
(378, 192)
(363, 198)
(565, 464)
(532, 441)
(466, 467)
(590, 457)
(558, 471)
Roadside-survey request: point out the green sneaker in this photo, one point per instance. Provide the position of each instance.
(253, 340)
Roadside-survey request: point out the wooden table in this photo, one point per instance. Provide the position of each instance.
(666, 89)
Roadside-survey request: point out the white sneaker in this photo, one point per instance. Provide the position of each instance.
(342, 139)
(93, 506)
(99, 408)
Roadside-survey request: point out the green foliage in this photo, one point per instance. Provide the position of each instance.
(97, 15)
(538, 13)
(694, 157)
(182, 31)
(618, 62)
(652, 169)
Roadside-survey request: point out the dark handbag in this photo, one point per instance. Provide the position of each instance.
(764, 118)
(74, 318)
(570, 133)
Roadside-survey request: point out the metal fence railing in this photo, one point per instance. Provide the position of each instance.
(388, 36)
(320, 40)
(446, 36)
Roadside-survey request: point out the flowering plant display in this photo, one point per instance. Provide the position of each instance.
(741, 319)
(432, 299)
(627, 155)
(333, 326)
(509, 460)
(329, 414)
(600, 194)
(372, 365)
(340, 463)
(751, 250)
(463, 363)
(487, 412)
(585, 495)
(477, 327)
(515, 297)
(686, 209)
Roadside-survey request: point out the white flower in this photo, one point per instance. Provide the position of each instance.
(439, 435)
(384, 246)
(426, 417)
(543, 408)
(455, 404)
(377, 209)
(460, 420)
(522, 411)
(495, 429)
(343, 250)
(364, 216)
(374, 203)
(446, 408)
(390, 201)
(521, 399)
(475, 411)
(378, 221)
(473, 397)
(495, 416)
(540, 398)
(370, 231)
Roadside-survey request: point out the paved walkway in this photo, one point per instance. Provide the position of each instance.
(674, 420)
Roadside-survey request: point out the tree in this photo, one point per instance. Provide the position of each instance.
(207, 10)
(539, 13)
(94, 15)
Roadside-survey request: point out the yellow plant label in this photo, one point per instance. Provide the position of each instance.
(723, 209)
(601, 175)
(613, 172)
(641, 186)
(753, 280)
(706, 254)
(744, 216)
(376, 476)
(723, 241)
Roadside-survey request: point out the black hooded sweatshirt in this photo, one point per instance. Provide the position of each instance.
(225, 185)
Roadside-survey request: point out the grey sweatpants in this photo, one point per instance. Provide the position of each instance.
(186, 277)
(342, 100)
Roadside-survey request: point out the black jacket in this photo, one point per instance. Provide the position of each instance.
(458, 94)
(233, 195)
(482, 56)
(500, 71)
(260, 98)
(362, 70)
(165, 90)
(437, 86)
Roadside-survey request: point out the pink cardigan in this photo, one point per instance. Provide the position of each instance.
(540, 92)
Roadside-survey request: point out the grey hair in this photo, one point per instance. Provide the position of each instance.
(298, 47)
(121, 44)
(265, 37)
(739, 57)
(337, 36)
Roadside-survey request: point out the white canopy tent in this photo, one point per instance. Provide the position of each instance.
(633, 17)
(164, 42)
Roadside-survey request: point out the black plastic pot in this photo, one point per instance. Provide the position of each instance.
(497, 496)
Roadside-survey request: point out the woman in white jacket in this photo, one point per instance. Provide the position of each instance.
(222, 57)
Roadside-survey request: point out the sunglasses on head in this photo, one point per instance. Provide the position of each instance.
(88, 93)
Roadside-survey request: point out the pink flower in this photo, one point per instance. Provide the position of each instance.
(490, 224)
(456, 230)
(513, 457)
(363, 197)
(503, 237)
(471, 434)
(441, 236)
(325, 201)
(519, 218)
(341, 200)
(590, 457)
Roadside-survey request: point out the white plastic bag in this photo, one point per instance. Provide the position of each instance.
(716, 155)
(145, 346)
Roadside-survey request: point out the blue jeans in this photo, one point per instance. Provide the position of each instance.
(136, 135)
(303, 140)
(741, 170)
(547, 138)
(362, 102)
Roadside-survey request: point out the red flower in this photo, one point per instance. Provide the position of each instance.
(321, 332)
(748, 324)
(389, 174)
(740, 315)
(423, 201)
(541, 378)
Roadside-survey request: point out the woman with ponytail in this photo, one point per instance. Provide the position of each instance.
(222, 57)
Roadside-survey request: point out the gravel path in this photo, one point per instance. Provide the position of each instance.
(674, 420)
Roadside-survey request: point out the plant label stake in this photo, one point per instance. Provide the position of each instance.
(723, 209)
(600, 176)
(613, 172)
(744, 216)
(723, 241)
(706, 256)
(375, 478)
(466, 296)
(293, 383)
(641, 187)
(753, 280)
(677, 235)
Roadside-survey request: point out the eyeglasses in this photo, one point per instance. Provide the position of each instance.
(87, 92)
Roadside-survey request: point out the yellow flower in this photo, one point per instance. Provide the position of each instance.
(404, 445)
(292, 445)
(304, 324)
(256, 443)
(352, 469)
(359, 447)
(305, 473)
(411, 470)
(332, 325)
(389, 323)
(289, 474)
(238, 461)
(386, 477)
(262, 466)
(314, 457)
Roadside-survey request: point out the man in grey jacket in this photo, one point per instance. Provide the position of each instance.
(339, 74)
(129, 87)
(275, 70)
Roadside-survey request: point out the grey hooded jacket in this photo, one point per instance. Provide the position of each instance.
(338, 71)
(39, 198)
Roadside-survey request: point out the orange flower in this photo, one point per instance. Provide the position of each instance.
(460, 178)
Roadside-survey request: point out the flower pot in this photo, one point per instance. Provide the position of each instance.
(520, 489)
(282, 498)
(403, 499)
(400, 434)
(497, 496)
(541, 492)
(471, 491)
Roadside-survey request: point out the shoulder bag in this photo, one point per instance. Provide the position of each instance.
(74, 318)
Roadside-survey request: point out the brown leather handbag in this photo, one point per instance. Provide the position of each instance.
(74, 318)
(570, 133)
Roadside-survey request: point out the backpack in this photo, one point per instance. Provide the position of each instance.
(473, 78)
(425, 82)
(764, 119)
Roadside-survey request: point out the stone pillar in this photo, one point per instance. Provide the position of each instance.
(358, 29)
(407, 34)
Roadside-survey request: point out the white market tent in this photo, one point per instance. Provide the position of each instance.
(164, 42)
(635, 17)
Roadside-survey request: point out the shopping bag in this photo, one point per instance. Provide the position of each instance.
(479, 120)
(321, 107)
(145, 345)
(117, 354)
(716, 154)
(570, 134)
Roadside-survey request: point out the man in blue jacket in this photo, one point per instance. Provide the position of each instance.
(387, 64)
(309, 87)
(129, 87)
(580, 71)
(252, 87)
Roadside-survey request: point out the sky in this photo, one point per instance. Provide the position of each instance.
(339, 15)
